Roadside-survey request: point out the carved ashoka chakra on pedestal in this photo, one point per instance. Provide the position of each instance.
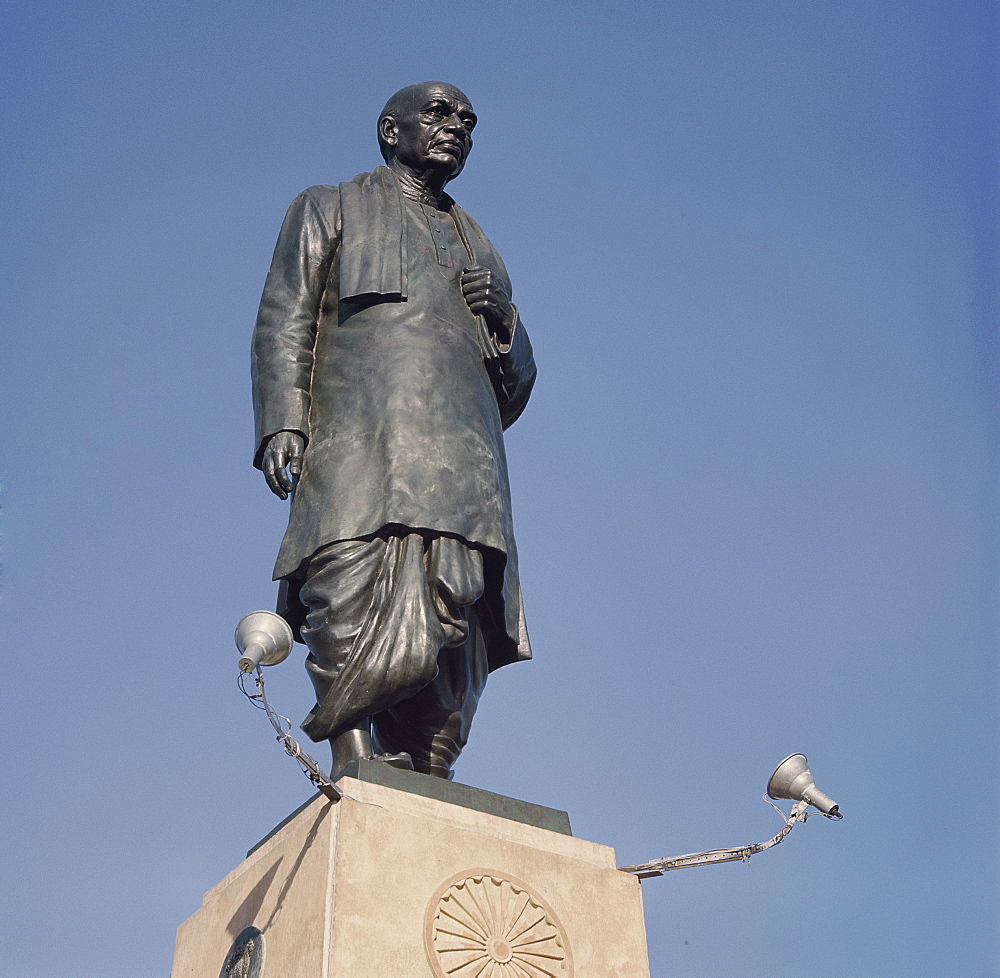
(484, 923)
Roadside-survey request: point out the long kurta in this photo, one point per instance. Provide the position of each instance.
(402, 397)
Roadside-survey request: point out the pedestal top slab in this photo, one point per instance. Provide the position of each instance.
(462, 795)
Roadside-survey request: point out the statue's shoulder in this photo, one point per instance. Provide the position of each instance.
(321, 194)
(326, 197)
(356, 182)
(320, 202)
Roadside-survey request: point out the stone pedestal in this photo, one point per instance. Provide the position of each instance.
(412, 877)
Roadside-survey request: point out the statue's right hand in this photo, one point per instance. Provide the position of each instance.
(283, 450)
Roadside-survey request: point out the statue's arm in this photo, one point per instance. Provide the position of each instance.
(517, 368)
(285, 334)
(488, 295)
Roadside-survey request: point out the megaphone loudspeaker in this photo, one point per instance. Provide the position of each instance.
(264, 639)
(792, 780)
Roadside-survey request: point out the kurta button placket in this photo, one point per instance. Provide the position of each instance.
(440, 225)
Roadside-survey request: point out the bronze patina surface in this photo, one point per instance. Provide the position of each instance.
(388, 359)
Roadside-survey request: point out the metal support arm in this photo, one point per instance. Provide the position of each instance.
(658, 867)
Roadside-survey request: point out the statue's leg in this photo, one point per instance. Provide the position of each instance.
(373, 636)
(336, 595)
(433, 725)
(353, 744)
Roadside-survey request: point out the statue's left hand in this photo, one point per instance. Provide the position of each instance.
(488, 298)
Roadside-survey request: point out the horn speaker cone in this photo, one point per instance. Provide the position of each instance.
(264, 639)
(792, 780)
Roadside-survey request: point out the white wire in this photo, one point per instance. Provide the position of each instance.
(308, 764)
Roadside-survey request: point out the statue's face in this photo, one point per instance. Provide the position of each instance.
(433, 130)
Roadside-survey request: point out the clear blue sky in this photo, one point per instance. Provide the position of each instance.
(755, 490)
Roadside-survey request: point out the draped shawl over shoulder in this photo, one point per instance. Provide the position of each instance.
(365, 346)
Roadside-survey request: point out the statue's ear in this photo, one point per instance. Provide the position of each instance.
(387, 130)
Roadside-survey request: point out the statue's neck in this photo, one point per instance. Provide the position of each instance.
(423, 185)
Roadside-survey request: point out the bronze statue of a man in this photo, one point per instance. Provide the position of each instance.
(387, 360)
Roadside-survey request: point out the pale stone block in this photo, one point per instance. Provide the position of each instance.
(389, 884)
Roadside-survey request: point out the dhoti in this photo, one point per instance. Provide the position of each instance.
(394, 626)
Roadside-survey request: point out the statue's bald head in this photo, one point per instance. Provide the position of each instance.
(408, 100)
